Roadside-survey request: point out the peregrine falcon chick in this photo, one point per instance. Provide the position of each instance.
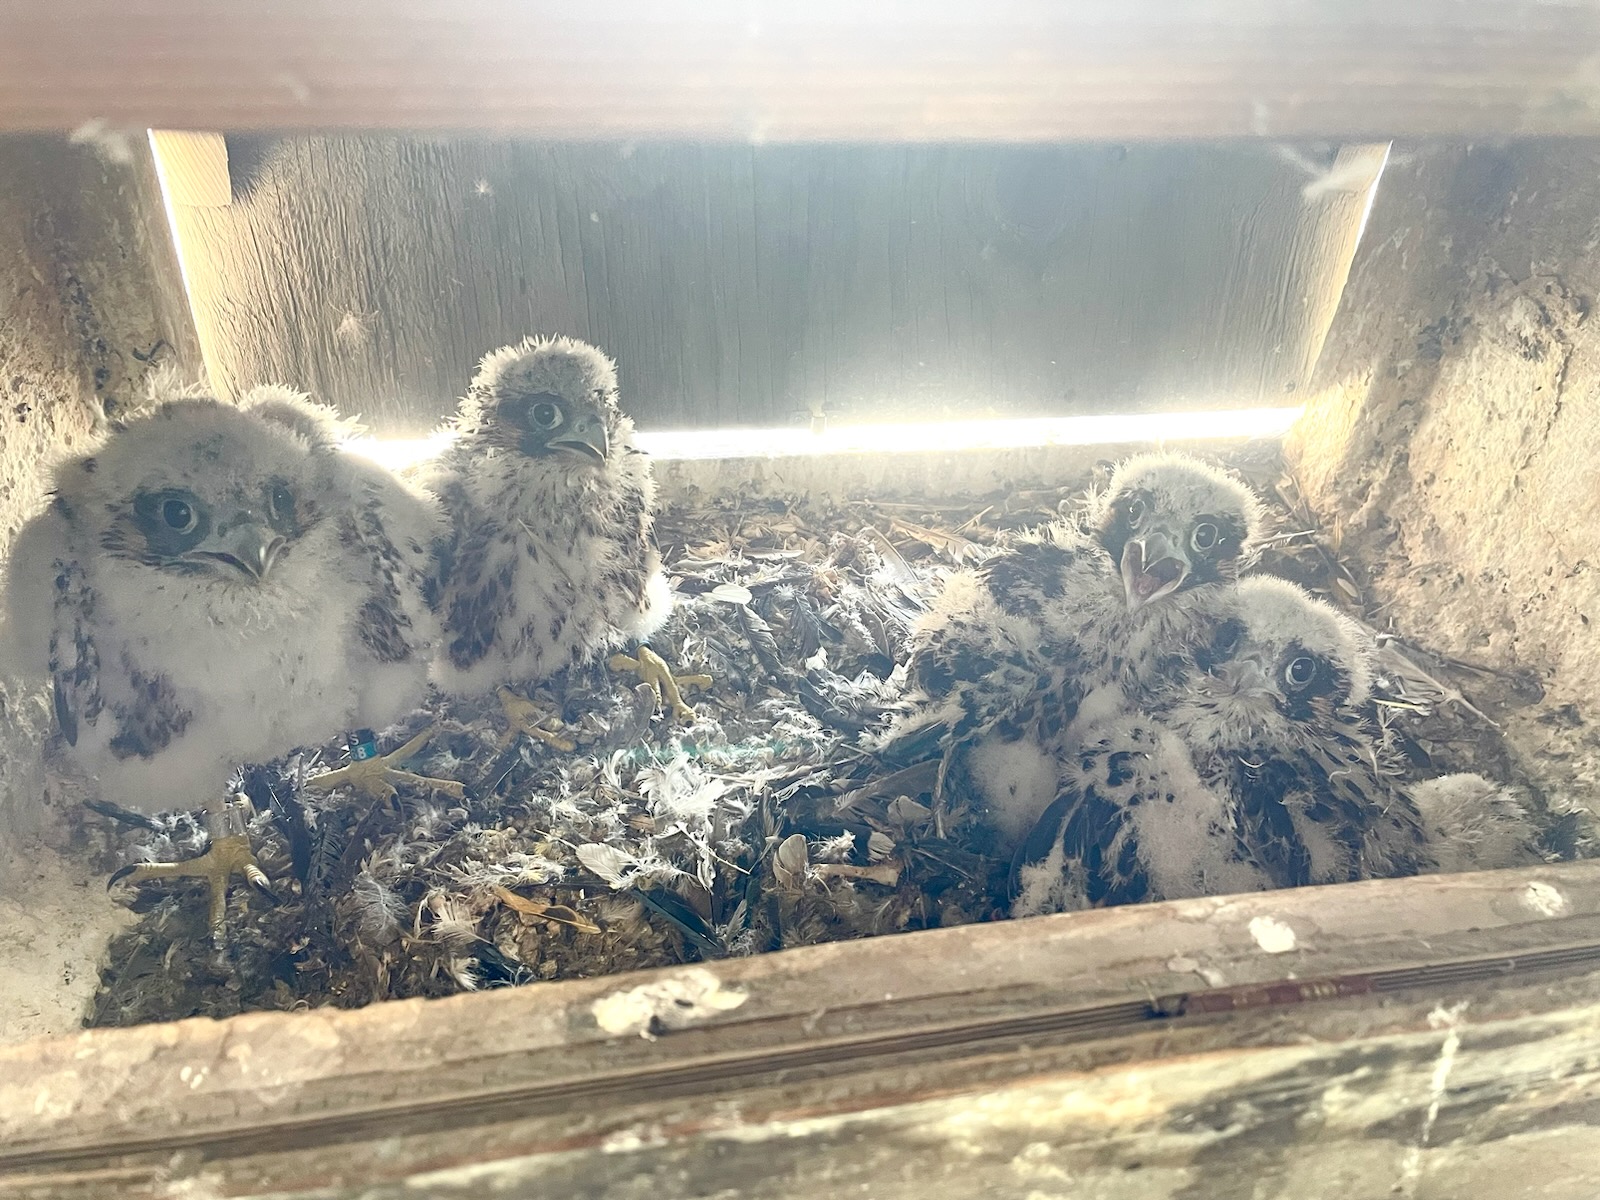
(1132, 821)
(1057, 632)
(219, 584)
(1272, 713)
(1258, 738)
(550, 560)
(390, 530)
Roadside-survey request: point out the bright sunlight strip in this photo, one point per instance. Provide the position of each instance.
(911, 437)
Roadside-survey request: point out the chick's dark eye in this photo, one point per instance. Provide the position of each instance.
(178, 515)
(1300, 672)
(282, 501)
(1136, 510)
(546, 415)
(1204, 537)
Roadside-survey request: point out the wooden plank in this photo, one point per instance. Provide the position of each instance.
(194, 167)
(1107, 1036)
(769, 70)
(1225, 1110)
(758, 286)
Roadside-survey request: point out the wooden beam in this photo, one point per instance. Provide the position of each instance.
(916, 70)
(1192, 1036)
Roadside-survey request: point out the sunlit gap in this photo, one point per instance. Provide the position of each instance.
(1372, 194)
(910, 437)
(171, 210)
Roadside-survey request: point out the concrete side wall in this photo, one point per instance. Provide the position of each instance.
(90, 300)
(1452, 442)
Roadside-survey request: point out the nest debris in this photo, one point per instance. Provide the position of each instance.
(763, 824)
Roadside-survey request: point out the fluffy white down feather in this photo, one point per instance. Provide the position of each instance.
(1181, 826)
(171, 674)
(1474, 824)
(1249, 767)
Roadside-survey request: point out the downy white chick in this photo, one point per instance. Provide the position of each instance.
(1062, 629)
(219, 584)
(550, 561)
(1251, 768)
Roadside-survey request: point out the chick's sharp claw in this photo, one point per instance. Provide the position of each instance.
(229, 855)
(524, 716)
(376, 778)
(653, 669)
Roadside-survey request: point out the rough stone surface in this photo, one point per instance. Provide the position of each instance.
(1450, 440)
(89, 302)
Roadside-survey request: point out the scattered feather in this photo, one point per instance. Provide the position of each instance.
(559, 913)
(791, 861)
(616, 866)
(885, 874)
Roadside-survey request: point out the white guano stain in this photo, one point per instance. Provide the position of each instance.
(675, 1002)
(1448, 1019)
(1545, 900)
(1272, 935)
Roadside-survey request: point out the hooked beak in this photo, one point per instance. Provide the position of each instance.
(1152, 567)
(586, 438)
(250, 547)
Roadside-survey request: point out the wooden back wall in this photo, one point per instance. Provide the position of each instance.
(761, 285)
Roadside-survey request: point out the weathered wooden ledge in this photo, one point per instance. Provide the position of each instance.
(1305, 1021)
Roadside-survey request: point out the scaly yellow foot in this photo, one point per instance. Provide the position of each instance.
(229, 855)
(524, 716)
(653, 669)
(376, 777)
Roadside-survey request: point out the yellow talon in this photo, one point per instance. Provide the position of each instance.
(653, 669)
(229, 855)
(524, 716)
(375, 778)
